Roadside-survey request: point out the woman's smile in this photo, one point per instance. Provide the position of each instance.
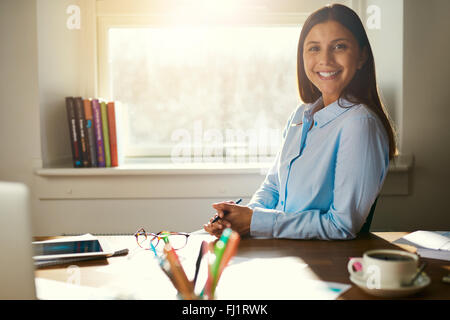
(328, 75)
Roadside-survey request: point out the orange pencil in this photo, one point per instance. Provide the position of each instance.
(184, 286)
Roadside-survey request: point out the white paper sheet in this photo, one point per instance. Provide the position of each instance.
(139, 276)
(56, 290)
(436, 240)
(429, 244)
(83, 237)
(286, 278)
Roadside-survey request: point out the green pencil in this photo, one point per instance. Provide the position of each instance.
(219, 249)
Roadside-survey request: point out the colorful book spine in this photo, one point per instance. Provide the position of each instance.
(121, 130)
(112, 134)
(89, 124)
(104, 113)
(74, 141)
(96, 114)
(79, 115)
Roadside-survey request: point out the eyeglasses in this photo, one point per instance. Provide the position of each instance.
(150, 241)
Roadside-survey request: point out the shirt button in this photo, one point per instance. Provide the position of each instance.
(282, 202)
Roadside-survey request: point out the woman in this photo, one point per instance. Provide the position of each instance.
(336, 147)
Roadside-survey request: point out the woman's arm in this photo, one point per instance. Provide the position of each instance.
(362, 159)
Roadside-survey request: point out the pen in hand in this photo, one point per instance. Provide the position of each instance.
(217, 218)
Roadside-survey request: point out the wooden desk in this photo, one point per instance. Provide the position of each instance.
(327, 259)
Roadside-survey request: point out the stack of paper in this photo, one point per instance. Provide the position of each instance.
(429, 244)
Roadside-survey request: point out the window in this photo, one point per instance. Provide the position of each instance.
(212, 92)
(214, 87)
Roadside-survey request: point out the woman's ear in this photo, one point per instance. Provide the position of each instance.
(363, 58)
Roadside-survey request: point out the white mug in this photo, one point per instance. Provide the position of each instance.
(385, 268)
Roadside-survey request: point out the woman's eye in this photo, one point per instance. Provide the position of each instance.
(340, 46)
(315, 48)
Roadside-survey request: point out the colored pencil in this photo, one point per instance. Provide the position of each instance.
(185, 287)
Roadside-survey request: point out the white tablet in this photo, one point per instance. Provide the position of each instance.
(71, 247)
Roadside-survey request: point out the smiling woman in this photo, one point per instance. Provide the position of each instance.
(343, 38)
(336, 147)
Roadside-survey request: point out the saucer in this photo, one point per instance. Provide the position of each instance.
(393, 292)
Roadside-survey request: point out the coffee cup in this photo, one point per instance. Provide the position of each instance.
(384, 268)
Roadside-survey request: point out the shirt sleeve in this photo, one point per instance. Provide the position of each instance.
(267, 194)
(362, 159)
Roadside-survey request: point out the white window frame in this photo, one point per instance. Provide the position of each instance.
(136, 13)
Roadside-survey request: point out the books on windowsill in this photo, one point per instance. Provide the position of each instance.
(93, 132)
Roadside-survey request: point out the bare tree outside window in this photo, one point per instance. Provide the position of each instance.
(218, 82)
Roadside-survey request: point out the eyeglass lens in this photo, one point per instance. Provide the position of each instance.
(177, 241)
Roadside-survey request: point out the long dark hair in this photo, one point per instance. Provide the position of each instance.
(363, 87)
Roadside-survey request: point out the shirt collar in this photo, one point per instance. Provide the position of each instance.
(330, 112)
(309, 109)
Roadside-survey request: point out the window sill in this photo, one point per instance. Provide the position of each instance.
(159, 180)
(161, 168)
(147, 166)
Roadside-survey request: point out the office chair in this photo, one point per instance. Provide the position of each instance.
(366, 227)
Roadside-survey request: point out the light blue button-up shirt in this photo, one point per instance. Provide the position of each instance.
(324, 180)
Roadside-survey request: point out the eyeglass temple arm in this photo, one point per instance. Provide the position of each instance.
(153, 249)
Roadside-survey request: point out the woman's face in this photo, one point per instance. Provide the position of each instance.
(331, 58)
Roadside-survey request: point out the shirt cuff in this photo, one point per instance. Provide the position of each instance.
(262, 222)
(254, 205)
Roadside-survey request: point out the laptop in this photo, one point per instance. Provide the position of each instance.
(16, 267)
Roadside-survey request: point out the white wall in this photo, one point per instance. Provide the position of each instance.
(39, 68)
(19, 108)
(426, 113)
(66, 68)
(19, 95)
(387, 47)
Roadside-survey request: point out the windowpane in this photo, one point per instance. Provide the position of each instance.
(209, 87)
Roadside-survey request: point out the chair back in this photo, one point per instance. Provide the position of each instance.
(366, 227)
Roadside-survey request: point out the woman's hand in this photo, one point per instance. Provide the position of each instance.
(232, 216)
